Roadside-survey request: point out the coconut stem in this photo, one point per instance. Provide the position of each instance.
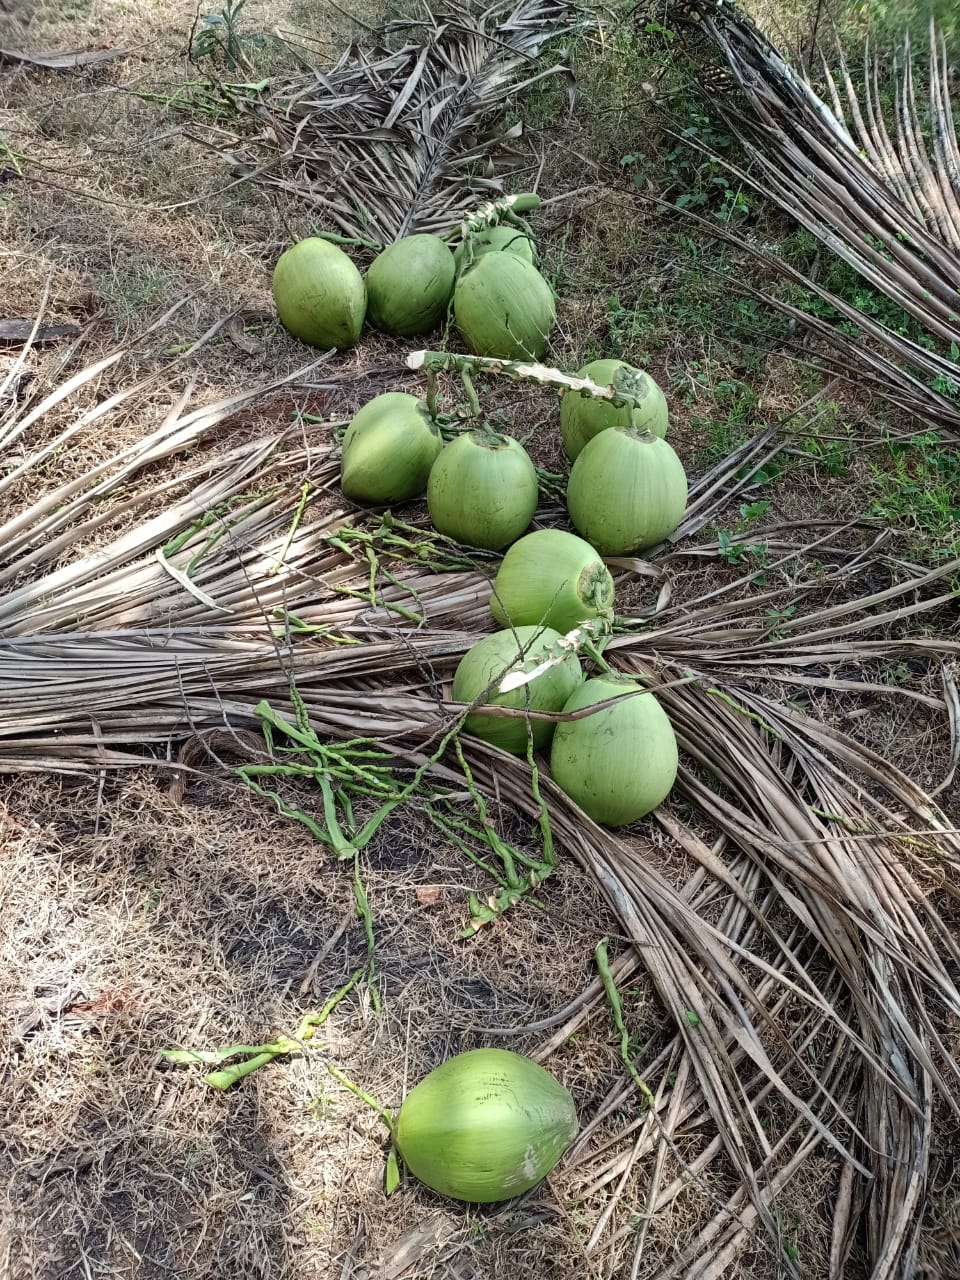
(595, 655)
(433, 403)
(434, 362)
(503, 209)
(471, 391)
(351, 240)
(593, 588)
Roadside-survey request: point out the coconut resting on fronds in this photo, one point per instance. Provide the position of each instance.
(483, 490)
(551, 577)
(583, 416)
(320, 295)
(620, 761)
(520, 650)
(388, 449)
(409, 286)
(496, 239)
(627, 491)
(504, 307)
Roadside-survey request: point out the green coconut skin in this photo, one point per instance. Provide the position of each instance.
(497, 239)
(483, 490)
(388, 449)
(621, 762)
(582, 417)
(553, 577)
(504, 308)
(485, 664)
(627, 490)
(409, 285)
(319, 294)
(486, 1125)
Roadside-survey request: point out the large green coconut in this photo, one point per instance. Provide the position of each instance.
(409, 285)
(389, 448)
(582, 417)
(485, 1126)
(520, 650)
(627, 491)
(320, 294)
(496, 239)
(504, 307)
(620, 762)
(483, 490)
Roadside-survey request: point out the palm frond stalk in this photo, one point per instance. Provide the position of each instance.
(395, 140)
(804, 961)
(883, 196)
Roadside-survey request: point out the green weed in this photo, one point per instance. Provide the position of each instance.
(216, 38)
(689, 170)
(834, 274)
(885, 21)
(136, 287)
(736, 552)
(917, 484)
(722, 408)
(830, 446)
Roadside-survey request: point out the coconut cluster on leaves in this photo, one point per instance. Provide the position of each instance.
(612, 748)
(503, 305)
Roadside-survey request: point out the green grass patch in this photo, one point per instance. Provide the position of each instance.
(135, 287)
(917, 484)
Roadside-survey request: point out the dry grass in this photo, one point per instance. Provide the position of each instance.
(133, 921)
(132, 924)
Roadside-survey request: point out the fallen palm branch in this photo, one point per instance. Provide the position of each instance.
(241, 583)
(396, 140)
(875, 195)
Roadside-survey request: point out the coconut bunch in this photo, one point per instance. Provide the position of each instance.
(814, 898)
(874, 177)
(502, 304)
(552, 592)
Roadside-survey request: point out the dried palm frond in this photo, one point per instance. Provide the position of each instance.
(875, 194)
(238, 580)
(395, 140)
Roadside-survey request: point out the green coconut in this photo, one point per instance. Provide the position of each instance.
(627, 491)
(388, 449)
(409, 285)
(319, 294)
(504, 307)
(496, 239)
(619, 762)
(553, 577)
(484, 1126)
(483, 490)
(522, 649)
(582, 417)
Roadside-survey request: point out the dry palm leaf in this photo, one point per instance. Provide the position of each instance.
(395, 140)
(884, 197)
(220, 583)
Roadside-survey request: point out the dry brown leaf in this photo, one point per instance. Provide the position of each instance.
(890, 209)
(427, 894)
(240, 338)
(67, 60)
(20, 331)
(407, 135)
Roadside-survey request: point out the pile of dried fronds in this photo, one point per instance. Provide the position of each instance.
(884, 195)
(804, 966)
(405, 135)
